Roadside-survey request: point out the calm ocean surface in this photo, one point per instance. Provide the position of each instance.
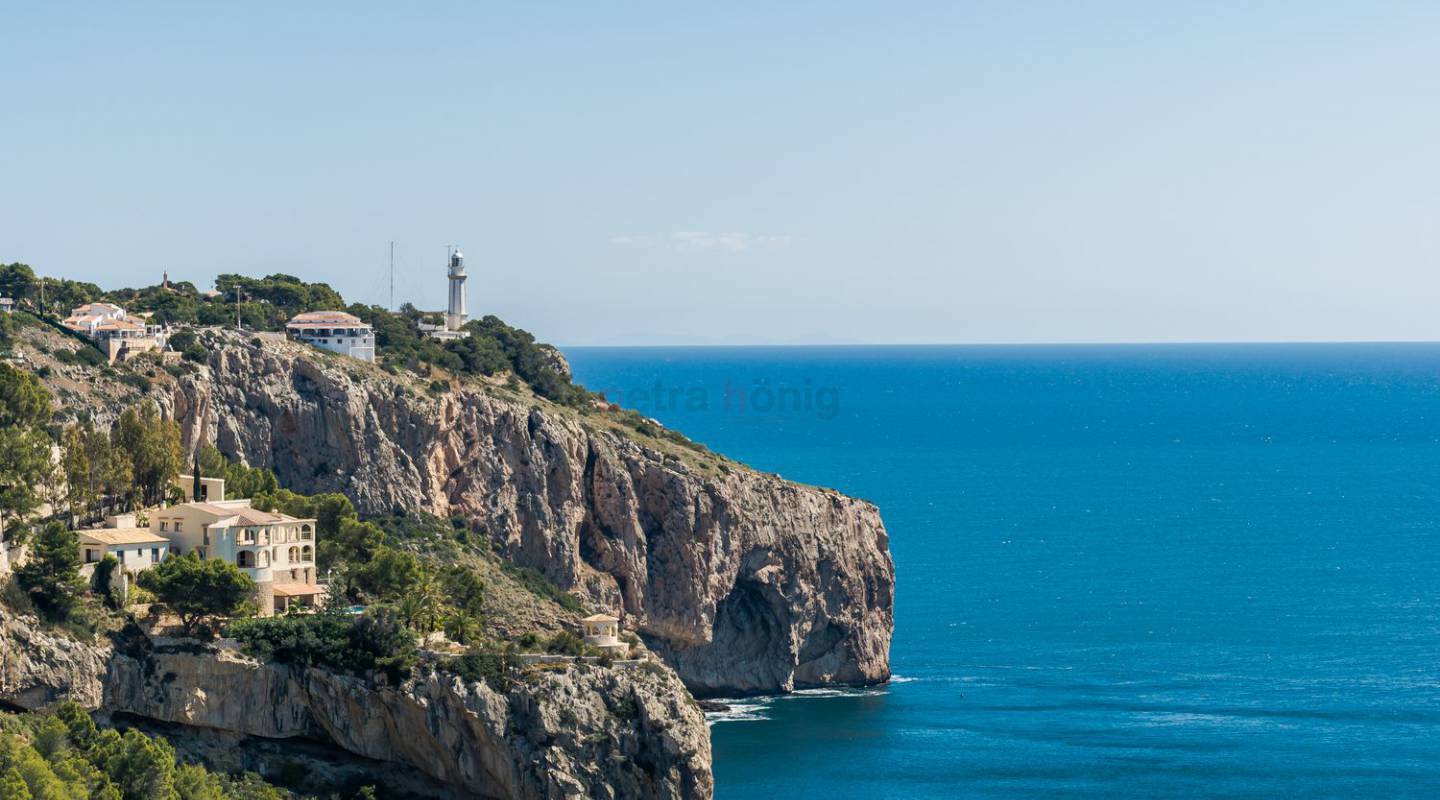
(1131, 571)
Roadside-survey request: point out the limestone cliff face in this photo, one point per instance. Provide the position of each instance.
(37, 668)
(742, 581)
(585, 732)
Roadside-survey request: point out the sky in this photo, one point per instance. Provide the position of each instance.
(751, 173)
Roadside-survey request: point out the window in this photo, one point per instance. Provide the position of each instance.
(155, 554)
(177, 530)
(305, 532)
(89, 556)
(162, 526)
(245, 558)
(121, 555)
(294, 554)
(306, 553)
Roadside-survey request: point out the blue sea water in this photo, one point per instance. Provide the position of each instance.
(1122, 571)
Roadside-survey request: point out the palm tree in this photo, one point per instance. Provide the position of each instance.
(422, 608)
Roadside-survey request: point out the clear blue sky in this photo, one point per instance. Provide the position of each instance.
(752, 172)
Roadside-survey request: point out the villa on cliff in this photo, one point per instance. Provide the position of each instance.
(118, 334)
(276, 550)
(335, 331)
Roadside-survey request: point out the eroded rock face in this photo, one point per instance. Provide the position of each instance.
(585, 732)
(742, 581)
(38, 667)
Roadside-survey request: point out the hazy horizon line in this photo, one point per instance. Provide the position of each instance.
(1177, 343)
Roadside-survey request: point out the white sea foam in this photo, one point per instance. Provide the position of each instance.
(738, 712)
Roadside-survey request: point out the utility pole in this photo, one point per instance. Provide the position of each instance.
(238, 294)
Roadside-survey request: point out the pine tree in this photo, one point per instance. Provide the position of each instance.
(12, 786)
(52, 575)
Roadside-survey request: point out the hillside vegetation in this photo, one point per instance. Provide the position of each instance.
(62, 755)
(493, 349)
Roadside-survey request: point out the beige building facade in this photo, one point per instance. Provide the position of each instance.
(276, 550)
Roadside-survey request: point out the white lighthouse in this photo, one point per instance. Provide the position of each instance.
(456, 316)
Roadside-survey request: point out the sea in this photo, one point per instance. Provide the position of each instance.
(1202, 571)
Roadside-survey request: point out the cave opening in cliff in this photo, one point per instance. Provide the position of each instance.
(747, 625)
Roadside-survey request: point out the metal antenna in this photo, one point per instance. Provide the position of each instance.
(392, 275)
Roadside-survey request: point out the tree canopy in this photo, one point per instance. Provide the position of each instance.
(198, 589)
(63, 755)
(153, 447)
(24, 447)
(51, 575)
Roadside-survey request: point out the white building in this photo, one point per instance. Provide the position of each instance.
(7, 305)
(335, 331)
(137, 549)
(603, 631)
(210, 488)
(456, 314)
(116, 332)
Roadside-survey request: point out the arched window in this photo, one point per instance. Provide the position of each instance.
(245, 558)
(305, 532)
(264, 558)
(306, 554)
(294, 554)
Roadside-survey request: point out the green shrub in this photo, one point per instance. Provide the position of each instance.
(566, 643)
(538, 584)
(139, 383)
(359, 645)
(494, 667)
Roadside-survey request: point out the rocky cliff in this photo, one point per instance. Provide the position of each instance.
(742, 581)
(585, 732)
(582, 732)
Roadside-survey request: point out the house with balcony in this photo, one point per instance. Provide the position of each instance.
(276, 550)
(335, 331)
(119, 335)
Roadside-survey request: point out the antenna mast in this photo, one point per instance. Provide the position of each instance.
(392, 275)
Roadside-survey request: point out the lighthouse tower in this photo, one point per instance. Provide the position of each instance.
(456, 316)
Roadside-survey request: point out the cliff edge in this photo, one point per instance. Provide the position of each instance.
(581, 732)
(743, 582)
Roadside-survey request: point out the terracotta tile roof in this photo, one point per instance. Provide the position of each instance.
(109, 536)
(244, 515)
(103, 309)
(325, 319)
(119, 325)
